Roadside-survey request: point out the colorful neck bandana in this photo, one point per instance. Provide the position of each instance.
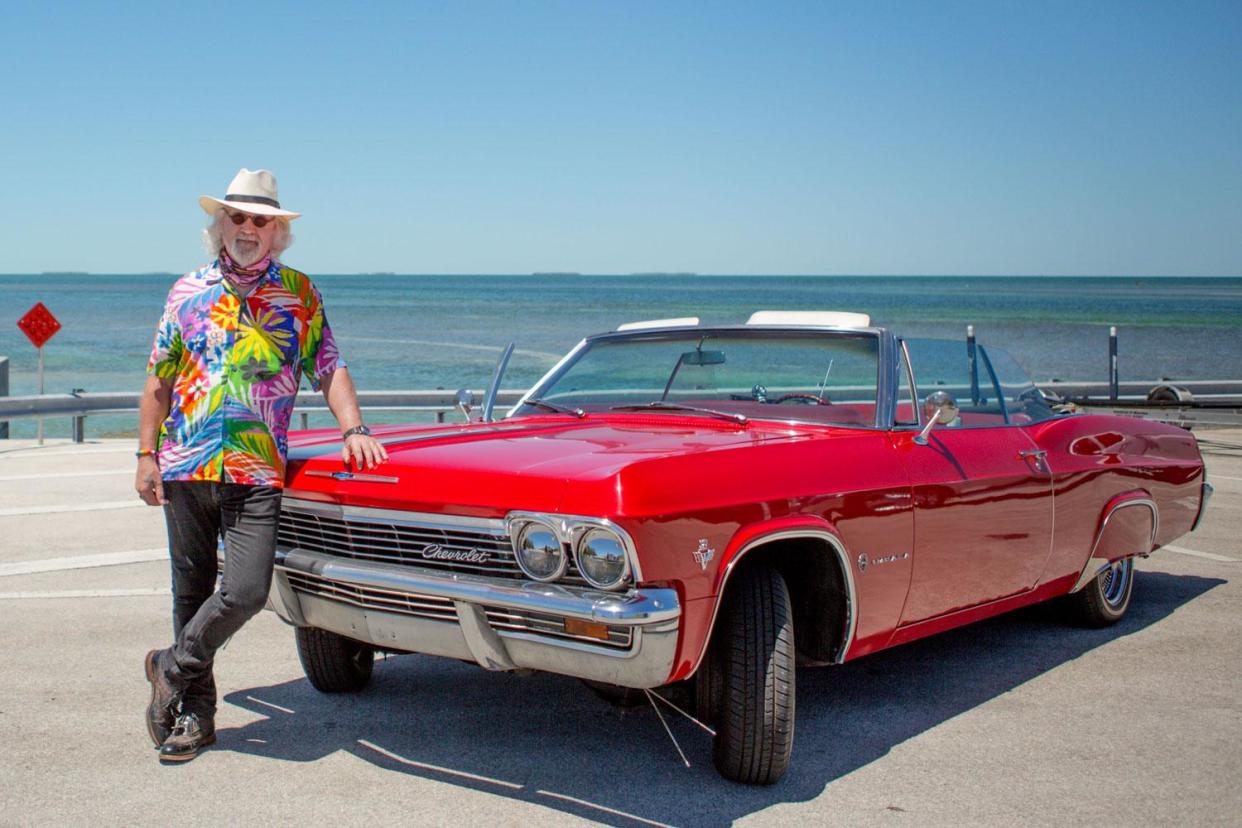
(243, 278)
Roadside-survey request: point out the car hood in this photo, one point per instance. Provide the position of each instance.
(487, 469)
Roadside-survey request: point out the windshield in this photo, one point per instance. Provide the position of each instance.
(827, 377)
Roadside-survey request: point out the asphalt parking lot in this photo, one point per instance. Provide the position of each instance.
(1019, 719)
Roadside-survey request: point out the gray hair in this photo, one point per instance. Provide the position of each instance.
(213, 239)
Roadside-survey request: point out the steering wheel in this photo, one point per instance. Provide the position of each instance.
(804, 399)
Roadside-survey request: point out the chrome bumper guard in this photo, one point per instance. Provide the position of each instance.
(499, 623)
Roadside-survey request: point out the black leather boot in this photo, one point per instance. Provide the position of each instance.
(189, 735)
(165, 696)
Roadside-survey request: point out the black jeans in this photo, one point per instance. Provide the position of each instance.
(197, 514)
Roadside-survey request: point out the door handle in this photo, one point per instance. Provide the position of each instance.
(1033, 453)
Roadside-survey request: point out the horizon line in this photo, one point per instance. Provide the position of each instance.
(679, 273)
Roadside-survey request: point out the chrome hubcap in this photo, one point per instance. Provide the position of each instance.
(1115, 580)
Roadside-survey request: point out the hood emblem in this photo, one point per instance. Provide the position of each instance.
(345, 475)
(704, 554)
(436, 552)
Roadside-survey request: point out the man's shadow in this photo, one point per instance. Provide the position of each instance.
(547, 739)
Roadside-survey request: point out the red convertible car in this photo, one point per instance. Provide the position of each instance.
(721, 504)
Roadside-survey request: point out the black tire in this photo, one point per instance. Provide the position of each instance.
(745, 686)
(334, 663)
(1105, 600)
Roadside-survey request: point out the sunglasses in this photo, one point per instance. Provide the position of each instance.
(240, 218)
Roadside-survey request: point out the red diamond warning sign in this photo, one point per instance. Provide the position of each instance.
(39, 325)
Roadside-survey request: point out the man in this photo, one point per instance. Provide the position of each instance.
(234, 341)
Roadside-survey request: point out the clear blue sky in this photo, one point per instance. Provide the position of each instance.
(611, 137)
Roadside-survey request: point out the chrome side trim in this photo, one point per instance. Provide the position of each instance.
(495, 526)
(1206, 495)
(838, 546)
(637, 608)
(1094, 565)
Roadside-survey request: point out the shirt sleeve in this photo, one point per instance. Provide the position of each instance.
(320, 356)
(168, 346)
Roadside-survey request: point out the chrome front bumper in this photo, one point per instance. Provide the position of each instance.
(501, 624)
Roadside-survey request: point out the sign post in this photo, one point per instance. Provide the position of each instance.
(39, 325)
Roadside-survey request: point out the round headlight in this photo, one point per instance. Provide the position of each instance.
(539, 552)
(602, 559)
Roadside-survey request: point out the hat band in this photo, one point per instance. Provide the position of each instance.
(270, 202)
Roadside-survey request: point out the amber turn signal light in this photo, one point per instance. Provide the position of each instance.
(590, 629)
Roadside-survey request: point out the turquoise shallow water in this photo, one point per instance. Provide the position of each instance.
(446, 331)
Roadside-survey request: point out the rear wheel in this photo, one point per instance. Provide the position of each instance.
(334, 663)
(1105, 599)
(745, 686)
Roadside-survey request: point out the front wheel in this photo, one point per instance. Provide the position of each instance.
(746, 684)
(334, 663)
(1105, 599)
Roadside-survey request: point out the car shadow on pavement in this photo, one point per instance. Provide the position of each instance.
(548, 740)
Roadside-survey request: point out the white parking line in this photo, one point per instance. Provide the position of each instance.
(269, 704)
(78, 507)
(87, 593)
(1196, 553)
(83, 561)
(604, 808)
(427, 766)
(1223, 477)
(35, 451)
(8, 477)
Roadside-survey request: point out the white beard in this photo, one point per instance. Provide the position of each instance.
(245, 252)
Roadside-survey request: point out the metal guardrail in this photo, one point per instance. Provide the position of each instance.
(82, 404)
(1221, 395)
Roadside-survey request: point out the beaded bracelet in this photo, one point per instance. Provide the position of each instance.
(146, 453)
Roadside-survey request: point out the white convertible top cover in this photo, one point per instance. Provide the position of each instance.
(659, 323)
(832, 319)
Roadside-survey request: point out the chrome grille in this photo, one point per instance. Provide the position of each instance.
(369, 535)
(442, 609)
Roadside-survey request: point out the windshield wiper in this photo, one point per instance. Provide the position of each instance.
(668, 406)
(559, 409)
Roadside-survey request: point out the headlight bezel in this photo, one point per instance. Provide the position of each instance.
(571, 530)
(520, 532)
(580, 541)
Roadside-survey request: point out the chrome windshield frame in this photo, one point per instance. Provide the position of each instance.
(885, 361)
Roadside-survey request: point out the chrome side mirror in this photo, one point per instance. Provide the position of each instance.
(463, 400)
(939, 407)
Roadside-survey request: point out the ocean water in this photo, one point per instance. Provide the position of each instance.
(426, 331)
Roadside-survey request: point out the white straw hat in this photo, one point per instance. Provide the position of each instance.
(249, 192)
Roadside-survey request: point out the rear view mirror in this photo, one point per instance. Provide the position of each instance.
(703, 358)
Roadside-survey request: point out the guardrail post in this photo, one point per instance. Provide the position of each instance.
(1112, 364)
(305, 420)
(974, 365)
(4, 392)
(79, 422)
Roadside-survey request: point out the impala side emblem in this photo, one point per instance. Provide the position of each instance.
(703, 554)
(435, 552)
(864, 561)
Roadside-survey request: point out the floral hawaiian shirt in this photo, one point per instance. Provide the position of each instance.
(236, 363)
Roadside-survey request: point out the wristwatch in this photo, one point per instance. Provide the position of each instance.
(358, 429)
